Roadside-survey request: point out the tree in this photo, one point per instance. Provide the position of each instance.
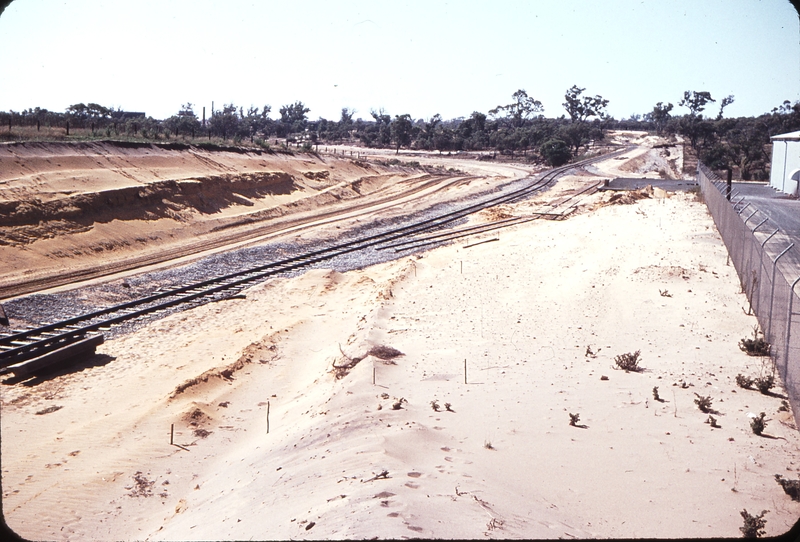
(347, 116)
(520, 109)
(402, 129)
(556, 152)
(660, 116)
(293, 118)
(726, 101)
(784, 118)
(429, 132)
(185, 121)
(580, 108)
(224, 123)
(383, 121)
(696, 101)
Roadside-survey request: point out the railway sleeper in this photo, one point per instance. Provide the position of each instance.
(64, 355)
(36, 348)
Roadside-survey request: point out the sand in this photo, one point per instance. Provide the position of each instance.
(67, 210)
(278, 443)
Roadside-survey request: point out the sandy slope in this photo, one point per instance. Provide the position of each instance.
(67, 209)
(340, 463)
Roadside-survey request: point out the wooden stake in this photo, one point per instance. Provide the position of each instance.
(465, 371)
(171, 433)
(268, 417)
(373, 376)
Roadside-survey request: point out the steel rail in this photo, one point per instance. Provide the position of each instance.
(25, 344)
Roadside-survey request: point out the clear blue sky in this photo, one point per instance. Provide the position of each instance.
(417, 57)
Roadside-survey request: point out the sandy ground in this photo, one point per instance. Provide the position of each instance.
(66, 209)
(285, 408)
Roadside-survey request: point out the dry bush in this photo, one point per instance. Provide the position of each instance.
(753, 525)
(142, 486)
(756, 346)
(758, 424)
(343, 368)
(573, 419)
(703, 403)
(764, 383)
(629, 362)
(790, 487)
(744, 382)
(656, 396)
(385, 353)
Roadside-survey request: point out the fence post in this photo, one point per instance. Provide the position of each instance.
(730, 182)
(761, 254)
(772, 293)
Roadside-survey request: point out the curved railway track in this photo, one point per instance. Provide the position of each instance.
(18, 346)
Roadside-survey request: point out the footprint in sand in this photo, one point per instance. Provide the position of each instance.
(414, 474)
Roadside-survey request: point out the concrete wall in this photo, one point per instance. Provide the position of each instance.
(785, 171)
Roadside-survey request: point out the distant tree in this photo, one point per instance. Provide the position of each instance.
(226, 122)
(726, 101)
(580, 108)
(696, 101)
(784, 118)
(402, 128)
(383, 121)
(293, 118)
(520, 110)
(660, 116)
(430, 129)
(347, 116)
(185, 122)
(580, 134)
(556, 152)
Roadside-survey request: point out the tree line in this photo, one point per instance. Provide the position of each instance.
(518, 129)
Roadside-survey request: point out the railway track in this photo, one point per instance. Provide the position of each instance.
(21, 345)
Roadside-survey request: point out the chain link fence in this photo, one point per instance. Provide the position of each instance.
(768, 265)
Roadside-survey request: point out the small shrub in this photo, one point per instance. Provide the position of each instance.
(753, 525)
(435, 405)
(790, 487)
(488, 445)
(713, 421)
(703, 403)
(629, 362)
(385, 353)
(656, 396)
(784, 406)
(765, 383)
(573, 419)
(398, 403)
(758, 424)
(744, 382)
(756, 346)
(448, 407)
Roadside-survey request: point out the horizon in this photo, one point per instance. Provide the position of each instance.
(437, 59)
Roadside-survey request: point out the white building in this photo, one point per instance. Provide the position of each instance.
(785, 171)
